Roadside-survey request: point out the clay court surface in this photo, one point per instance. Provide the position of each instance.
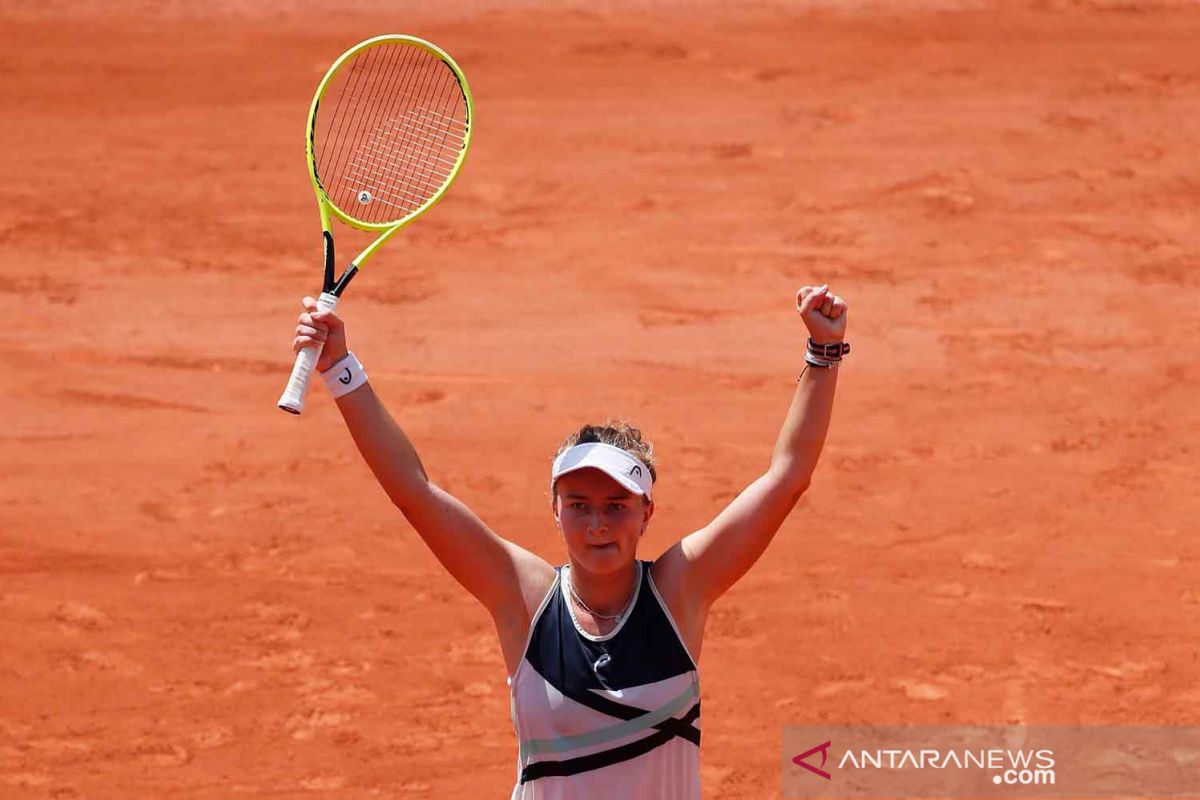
(204, 597)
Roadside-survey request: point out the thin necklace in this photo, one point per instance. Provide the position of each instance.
(597, 615)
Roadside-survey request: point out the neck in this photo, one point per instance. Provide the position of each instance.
(604, 594)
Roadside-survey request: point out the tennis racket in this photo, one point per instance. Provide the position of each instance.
(388, 132)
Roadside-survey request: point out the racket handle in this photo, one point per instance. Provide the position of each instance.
(292, 399)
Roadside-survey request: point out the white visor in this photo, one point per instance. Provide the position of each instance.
(625, 469)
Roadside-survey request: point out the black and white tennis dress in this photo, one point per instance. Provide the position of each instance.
(613, 716)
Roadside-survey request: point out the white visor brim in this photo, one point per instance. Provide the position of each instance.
(622, 467)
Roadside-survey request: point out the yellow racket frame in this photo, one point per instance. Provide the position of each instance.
(292, 399)
(328, 207)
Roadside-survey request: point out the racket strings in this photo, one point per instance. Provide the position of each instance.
(390, 132)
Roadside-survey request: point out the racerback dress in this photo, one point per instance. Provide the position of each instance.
(613, 716)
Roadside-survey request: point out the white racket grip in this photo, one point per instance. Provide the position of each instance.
(292, 399)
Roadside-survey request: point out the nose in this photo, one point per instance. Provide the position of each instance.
(596, 525)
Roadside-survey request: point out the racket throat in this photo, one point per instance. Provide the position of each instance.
(344, 281)
(329, 263)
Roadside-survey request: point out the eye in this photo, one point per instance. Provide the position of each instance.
(578, 505)
(616, 506)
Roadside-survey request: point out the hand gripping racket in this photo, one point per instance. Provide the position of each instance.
(388, 131)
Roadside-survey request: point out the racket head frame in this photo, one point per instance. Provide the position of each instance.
(327, 207)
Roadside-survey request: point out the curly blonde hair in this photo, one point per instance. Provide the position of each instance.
(618, 433)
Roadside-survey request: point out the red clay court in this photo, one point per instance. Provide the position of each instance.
(202, 597)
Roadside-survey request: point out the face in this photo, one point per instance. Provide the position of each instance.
(600, 520)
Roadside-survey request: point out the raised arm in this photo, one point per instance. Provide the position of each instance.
(713, 558)
(505, 577)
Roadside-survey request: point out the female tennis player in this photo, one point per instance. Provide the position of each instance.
(601, 652)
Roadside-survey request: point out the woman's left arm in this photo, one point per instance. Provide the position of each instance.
(803, 434)
(713, 558)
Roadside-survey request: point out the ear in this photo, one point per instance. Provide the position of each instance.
(647, 513)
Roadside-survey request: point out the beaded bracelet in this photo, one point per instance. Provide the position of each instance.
(825, 356)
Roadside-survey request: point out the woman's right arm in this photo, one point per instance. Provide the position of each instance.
(508, 579)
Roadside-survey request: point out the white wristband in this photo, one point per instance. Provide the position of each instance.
(345, 376)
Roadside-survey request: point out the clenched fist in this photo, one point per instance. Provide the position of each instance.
(823, 312)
